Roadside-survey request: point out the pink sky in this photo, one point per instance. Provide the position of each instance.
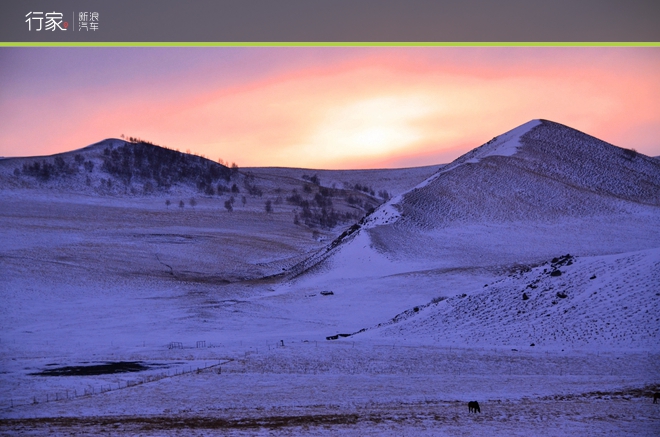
(323, 107)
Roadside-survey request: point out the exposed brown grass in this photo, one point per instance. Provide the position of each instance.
(155, 423)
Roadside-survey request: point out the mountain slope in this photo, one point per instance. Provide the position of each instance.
(554, 171)
(525, 196)
(602, 302)
(545, 179)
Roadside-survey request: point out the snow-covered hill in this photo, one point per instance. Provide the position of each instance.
(539, 171)
(536, 191)
(523, 198)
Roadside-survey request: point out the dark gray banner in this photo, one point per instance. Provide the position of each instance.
(330, 21)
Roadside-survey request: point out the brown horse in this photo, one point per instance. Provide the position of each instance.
(473, 407)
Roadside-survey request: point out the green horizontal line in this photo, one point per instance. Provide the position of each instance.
(329, 44)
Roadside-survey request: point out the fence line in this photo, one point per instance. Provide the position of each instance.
(91, 391)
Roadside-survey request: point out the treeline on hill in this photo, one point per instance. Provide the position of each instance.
(142, 161)
(164, 167)
(44, 170)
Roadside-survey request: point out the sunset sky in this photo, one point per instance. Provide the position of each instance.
(322, 107)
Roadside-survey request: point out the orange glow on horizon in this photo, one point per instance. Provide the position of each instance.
(389, 108)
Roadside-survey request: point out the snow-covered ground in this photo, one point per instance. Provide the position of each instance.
(367, 388)
(444, 288)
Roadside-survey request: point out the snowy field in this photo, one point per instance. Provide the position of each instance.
(363, 388)
(84, 287)
(122, 316)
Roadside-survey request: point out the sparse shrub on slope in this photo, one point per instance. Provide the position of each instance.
(630, 153)
(313, 179)
(250, 186)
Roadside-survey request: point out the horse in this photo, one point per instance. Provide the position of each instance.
(473, 407)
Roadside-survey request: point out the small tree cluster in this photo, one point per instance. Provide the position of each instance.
(383, 194)
(354, 200)
(234, 169)
(364, 188)
(136, 140)
(44, 170)
(322, 201)
(250, 186)
(324, 217)
(297, 199)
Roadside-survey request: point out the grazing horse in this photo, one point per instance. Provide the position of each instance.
(656, 396)
(473, 407)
